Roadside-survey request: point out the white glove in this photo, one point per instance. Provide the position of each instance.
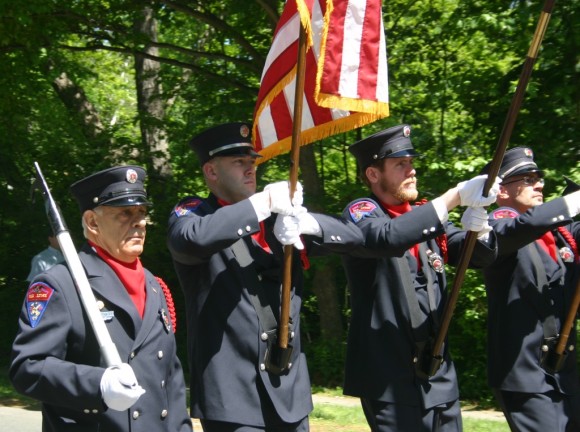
(476, 219)
(119, 387)
(287, 231)
(470, 192)
(279, 195)
(572, 201)
(308, 224)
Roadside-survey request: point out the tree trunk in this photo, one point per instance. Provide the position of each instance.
(324, 286)
(324, 282)
(150, 101)
(75, 99)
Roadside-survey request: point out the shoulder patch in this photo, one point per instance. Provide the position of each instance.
(186, 206)
(361, 209)
(504, 213)
(37, 298)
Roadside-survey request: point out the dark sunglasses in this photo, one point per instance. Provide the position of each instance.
(528, 181)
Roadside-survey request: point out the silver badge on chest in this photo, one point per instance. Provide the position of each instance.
(435, 261)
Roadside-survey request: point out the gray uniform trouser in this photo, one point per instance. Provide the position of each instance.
(393, 417)
(217, 426)
(551, 411)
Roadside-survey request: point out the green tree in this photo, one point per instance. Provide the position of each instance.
(89, 83)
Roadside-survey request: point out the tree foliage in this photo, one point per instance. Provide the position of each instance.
(89, 83)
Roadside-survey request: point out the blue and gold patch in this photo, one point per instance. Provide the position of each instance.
(187, 206)
(361, 209)
(37, 299)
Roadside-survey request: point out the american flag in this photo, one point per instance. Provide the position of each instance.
(346, 83)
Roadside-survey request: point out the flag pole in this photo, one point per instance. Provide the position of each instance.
(471, 237)
(294, 164)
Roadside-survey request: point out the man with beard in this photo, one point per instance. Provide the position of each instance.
(529, 292)
(398, 287)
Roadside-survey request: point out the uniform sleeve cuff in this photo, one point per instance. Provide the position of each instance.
(573, 203)
(441, 210)
(261, 203)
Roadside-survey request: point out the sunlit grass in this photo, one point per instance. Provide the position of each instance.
(325, 417)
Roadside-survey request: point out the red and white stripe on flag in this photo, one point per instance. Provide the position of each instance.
(346, 83)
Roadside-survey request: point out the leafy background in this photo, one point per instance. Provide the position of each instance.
(91, 83)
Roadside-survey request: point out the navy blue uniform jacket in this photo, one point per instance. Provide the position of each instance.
(381, 343)
(515, 331)
(58, 362)
(228, 382)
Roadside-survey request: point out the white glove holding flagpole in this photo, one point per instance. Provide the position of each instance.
(287, 231)
(289, 228)
(119, 387)
(471, 192)
(275, 198)
(476, 219)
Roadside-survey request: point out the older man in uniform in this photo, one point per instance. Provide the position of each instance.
(529, 290)
(398, 288)
(230, 264)
(56, 357)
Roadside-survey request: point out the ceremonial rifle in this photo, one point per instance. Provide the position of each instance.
(58, 225)
(436, 359)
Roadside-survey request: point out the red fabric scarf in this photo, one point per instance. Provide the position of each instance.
(548, 244)
(397, 210)
(132, 277)
(259, 237)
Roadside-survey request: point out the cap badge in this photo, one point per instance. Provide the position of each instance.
(528, 152)
(406, 131)
(244, 131)
(131, 175)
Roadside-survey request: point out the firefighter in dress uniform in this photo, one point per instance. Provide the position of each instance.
(56, 357)
(398, 287)
(228, 254)
(529, 290)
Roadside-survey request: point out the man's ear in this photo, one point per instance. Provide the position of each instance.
(373, 174)
(209, 170)
(90, 219)
(503, 193)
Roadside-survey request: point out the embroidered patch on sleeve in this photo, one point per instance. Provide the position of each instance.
(186, 206)
(37, 299)
(361, 209)
(504, 213)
